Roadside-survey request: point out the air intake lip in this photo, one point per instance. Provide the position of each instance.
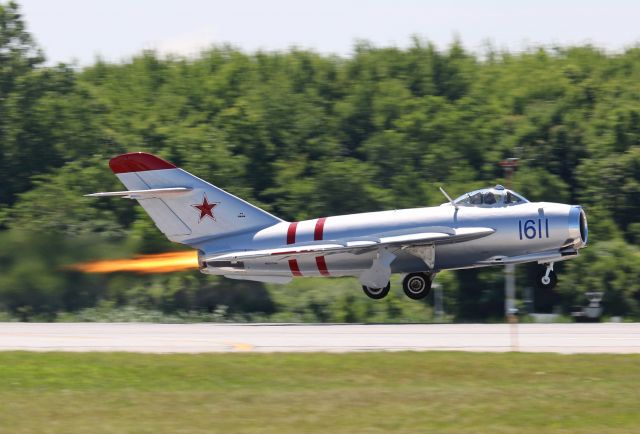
(584, 228)
(578, 230)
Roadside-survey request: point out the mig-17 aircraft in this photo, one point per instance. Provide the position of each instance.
(491, 226)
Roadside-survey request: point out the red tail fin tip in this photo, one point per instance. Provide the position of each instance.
(138, 162)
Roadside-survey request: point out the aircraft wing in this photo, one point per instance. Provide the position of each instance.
(358, 245)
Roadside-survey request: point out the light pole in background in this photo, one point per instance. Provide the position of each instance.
(437, 301)
(509, 165)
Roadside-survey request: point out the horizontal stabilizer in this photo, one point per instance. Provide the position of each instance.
(184, 207)
(142, 194)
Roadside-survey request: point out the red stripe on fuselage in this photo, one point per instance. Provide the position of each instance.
(291, 233)
(322, 265)
(291, 239)
(293, 266)
(318, 233)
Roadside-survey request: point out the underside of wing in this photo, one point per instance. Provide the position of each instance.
(360, 245)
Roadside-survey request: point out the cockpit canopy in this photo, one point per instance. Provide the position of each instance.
(495, 197)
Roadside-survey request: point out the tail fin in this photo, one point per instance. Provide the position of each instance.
(184, 207)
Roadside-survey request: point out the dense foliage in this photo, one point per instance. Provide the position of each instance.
(303, 135)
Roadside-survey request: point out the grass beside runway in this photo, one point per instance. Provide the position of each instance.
(318, 393)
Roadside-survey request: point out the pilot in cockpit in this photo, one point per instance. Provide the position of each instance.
(497, 196)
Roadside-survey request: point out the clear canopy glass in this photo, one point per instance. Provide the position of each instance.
(494, 197)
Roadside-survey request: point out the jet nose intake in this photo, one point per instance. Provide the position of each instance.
(578, 229)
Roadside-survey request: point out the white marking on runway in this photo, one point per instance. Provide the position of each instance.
(204, 338)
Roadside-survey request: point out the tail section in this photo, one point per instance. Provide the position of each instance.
(184, 207)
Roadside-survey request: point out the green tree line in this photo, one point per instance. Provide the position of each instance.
(304, 135)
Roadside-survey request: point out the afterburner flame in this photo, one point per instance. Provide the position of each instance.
(156, 263)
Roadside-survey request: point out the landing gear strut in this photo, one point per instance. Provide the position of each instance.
(417, 285)
(547, 278)
(377, 293)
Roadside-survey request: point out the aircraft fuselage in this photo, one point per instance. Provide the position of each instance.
(525, 229)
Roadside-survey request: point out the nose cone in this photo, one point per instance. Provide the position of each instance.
(578, 229)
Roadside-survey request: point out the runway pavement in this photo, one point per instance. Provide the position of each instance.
(201, 338)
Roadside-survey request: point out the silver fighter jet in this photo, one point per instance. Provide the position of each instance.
(491, 226)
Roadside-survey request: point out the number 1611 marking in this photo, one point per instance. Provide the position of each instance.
(533, 228)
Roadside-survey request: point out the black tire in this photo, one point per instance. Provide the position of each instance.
(377, 293)
(553, 280)
(417, 286)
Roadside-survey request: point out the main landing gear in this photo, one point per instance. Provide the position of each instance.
(547, 278)
(376, 293)
(415, 285)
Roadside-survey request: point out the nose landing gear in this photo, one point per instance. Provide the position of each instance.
(547, 278)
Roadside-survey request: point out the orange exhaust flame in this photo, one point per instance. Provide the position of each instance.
(143, 264)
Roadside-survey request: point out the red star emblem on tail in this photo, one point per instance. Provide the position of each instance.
(206, 208)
